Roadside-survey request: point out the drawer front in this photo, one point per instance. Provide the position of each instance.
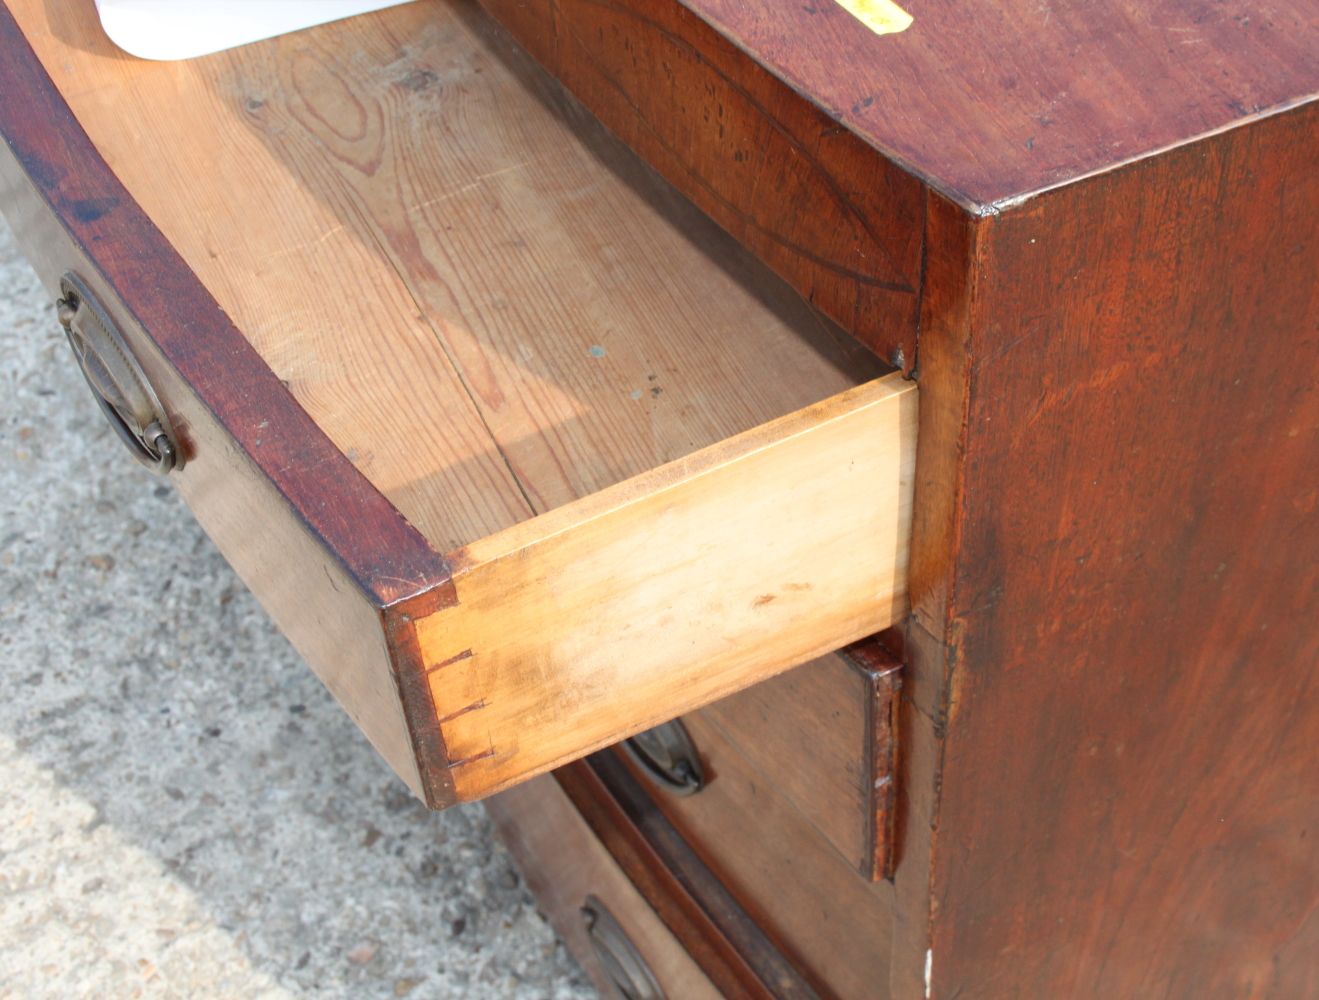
(781, 817)
(569, 870)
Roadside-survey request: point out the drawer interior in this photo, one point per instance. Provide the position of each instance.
(486, 301)
(654, 472)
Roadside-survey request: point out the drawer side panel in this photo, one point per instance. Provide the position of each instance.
(650, 599)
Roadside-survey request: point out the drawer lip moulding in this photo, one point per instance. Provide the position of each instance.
(479, 653)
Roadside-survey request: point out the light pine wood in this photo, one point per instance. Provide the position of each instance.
(307, 285)
(678, 587)
(533, 241)
(430, 243)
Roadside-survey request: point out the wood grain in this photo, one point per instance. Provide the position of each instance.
(614, 613)
(992, 101)
(805, 732)
(465, 237)
(825, 736)
(563, 862)
(348, 342)
(952, 255)
(881, 675)
(1128, 792)
(840, 223)
(831, 922)
(701, 912)
(529, 236)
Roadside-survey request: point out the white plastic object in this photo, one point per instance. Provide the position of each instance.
(182, 29)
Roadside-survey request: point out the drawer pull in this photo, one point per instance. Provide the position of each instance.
(624, 966)
(666, 752)
(115, 378)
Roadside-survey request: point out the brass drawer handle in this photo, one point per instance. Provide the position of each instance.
(666, 752)
(115, 378)
(624, 966)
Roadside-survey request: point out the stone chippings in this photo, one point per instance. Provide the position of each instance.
(184, 810)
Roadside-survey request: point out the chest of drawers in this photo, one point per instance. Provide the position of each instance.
(549, 371)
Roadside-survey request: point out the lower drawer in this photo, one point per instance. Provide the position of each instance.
(588, 898)
(829, 921)
(630, 897)
(786, 811)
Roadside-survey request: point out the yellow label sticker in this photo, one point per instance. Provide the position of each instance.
(883, 17)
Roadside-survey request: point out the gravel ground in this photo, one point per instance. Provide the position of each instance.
(184, 811)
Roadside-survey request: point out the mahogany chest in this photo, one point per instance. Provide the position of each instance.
(841, 485)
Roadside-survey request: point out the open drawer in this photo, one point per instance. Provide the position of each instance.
(520, 450)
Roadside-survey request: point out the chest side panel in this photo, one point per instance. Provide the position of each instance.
(1130, 775)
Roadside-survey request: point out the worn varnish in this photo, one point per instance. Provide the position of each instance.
(881, 684)
(1122, 661)
(991, 101)
(564, 861)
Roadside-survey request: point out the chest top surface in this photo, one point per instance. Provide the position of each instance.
(995, 100)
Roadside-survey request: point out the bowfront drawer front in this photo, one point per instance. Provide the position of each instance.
(522, 452)
(606, 923)
(628, 894)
